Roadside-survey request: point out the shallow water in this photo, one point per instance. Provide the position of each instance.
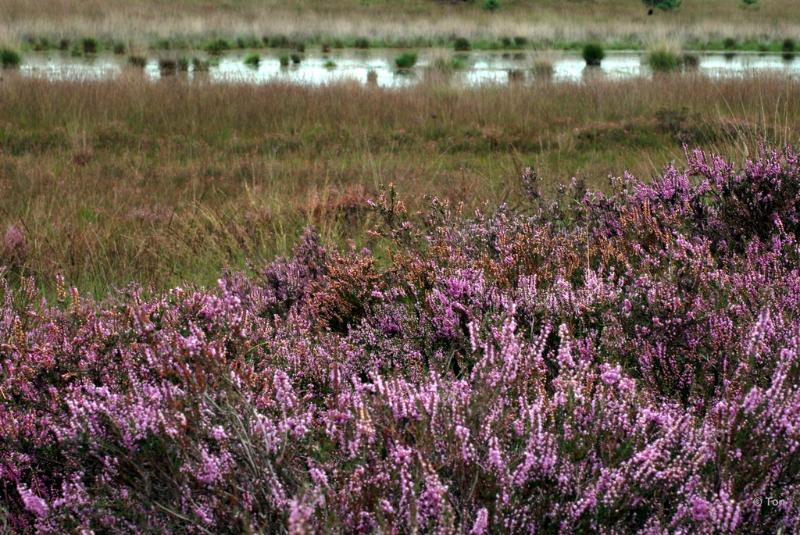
(480, 67)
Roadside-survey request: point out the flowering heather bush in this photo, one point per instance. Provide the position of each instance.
(620, 363)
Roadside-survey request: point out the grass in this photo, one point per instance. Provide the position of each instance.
(161, 183)
(252, 60)
(662, 59)
(543, 69)
(570, 24)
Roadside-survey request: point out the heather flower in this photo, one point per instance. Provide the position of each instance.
(481, 522)
(32, 503)
(14, 243)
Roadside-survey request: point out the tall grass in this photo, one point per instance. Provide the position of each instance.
(128, 180)
(394, 23)
(663, 59)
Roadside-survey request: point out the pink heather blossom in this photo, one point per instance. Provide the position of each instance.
(14, 242)
(33, 503)
(481, 522)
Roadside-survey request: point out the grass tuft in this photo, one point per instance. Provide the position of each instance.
(9, 58)
(406, 60)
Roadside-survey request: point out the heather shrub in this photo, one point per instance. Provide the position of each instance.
(618, 362)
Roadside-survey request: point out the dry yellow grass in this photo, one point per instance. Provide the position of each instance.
(538, 20)
(165, 182)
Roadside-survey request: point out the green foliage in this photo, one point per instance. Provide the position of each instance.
(750, 3)
(9, 58)
(284, 61)
(789, 45)
(296, 58)
(729, 43)
(491, 5)
(217, 46)
(406, 60)
(593, 54)
(462, 44)
(252, 60)
(361, 42)
(330, 64)
(664, 5)
(89, 45)
(247, 42)
(119, 48)
(278, 41)
(458, 63)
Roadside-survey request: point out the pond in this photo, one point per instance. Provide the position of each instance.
(378, 67)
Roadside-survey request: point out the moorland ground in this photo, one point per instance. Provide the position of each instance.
(548, 23)
(163, 183)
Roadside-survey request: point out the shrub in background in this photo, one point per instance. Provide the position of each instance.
(462, 44)
(593, 54)
(9, 58)
(89, 45)
(252, 60)
(217, 46)
(406, 60)
(664, 5)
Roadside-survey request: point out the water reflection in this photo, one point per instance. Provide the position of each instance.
(377, 67)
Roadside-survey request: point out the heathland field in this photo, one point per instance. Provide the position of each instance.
(160, 183)
(465, 290)
(542, 23)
